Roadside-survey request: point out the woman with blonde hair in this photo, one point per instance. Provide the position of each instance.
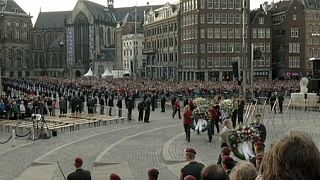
(244, 171)
(292, 157)
(187, 121)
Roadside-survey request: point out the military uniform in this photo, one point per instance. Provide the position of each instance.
(193, 168)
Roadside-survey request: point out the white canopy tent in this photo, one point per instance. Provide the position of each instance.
(89, 73)
(107, 73)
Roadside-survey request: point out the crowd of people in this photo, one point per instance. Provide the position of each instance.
(293, 157)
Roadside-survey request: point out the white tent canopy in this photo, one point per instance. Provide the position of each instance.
(89, 73)
(107, 73)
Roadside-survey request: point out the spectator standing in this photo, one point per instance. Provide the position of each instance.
(187, 121)
(140, 109)
(193, 167)
(79, 174)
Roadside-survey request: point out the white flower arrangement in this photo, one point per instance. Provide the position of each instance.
(227, 105)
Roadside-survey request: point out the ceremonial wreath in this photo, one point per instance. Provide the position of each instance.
(242, 138)
(227, 107)
(201, 114)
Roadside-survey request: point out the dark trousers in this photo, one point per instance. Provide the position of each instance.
(129, 114)
(163, 108)
(280, 106)
(210, 130)
(240, 117)
(120, 113)
(174, 113)
(140, 117)
(147, 115)
(153, 107)
(234, 119)
(187, 131)
(110, 111)
(101, 110)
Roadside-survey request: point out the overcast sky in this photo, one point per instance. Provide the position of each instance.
(33, 6)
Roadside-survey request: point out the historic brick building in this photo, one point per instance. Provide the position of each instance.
(211, 38)
(15, 40)
(295, 37)
(261, 42)
(162, 42)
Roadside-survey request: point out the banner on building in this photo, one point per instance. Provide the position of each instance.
(70, 46)
(91, 43)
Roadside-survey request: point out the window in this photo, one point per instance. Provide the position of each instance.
(223, 47)
(237, 33)
(261, 20)
(237, 18)
(8, 23)
(203, 63)
(17, 24)
(237, 4)
(217, 18)
(294, 17)
(230, 47)
(202, 4)
(223, 4)
(210, 48)
(25, 25)
(203, 33)
(209, 4)
(224, 18)
(210, 18)
(216, 62)
(224, 62)
(210, 33)
(210, 62)
(295, 32)
(294, 47)
(230, 33)
(268, 33)
(261, 33)
(216, 47)
(216, 4)
(202, 18)
(231, 4)
(224, 33)
(237, 47)
(231, 18)
(203, 48)
(216, 33)
(254, 33)
(267, 47)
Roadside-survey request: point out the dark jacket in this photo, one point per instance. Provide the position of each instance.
(80, 174)
(262, 130)
(193, 168)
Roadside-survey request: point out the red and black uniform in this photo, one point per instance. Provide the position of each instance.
(187, 123)
(215, 114)
(177, 109)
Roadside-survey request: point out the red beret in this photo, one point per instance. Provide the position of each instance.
(190, 150)
(153, 172)
(189, 177)
(227, 158)
(114, 177)
(78, 160)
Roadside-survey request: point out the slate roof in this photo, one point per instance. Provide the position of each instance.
(11, 6)
(52, 19)
(281, 6)
(100, 12)
(120, 13)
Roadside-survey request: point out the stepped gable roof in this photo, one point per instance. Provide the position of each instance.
(11, 6)
(52, 19)
(100, 12)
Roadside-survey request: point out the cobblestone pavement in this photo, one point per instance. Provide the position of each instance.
(130, 149)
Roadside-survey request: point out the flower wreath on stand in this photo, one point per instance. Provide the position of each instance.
(242, 138)
(201, 114)
(227, 107)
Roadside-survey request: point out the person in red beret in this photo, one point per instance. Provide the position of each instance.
(193, 167)
(153, 174)
(228, 164)
(79, 174)
(189, 177)
(114, 177)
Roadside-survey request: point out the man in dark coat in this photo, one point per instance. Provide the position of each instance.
(110, 104)
(79, 174)
(163, 104)
(273, 99)
(153, 102)
(140, 109)
(130, 105)
(101, 102)
(119, 105)
(147, 105)
(193, 167)
(260, 127)
(280, 100)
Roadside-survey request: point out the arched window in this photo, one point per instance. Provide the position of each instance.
(38, 41)
(101, 37)
(109, 36)
(49, 40)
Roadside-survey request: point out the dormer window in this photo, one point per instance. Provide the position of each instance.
(15, 10)
(261, 20)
